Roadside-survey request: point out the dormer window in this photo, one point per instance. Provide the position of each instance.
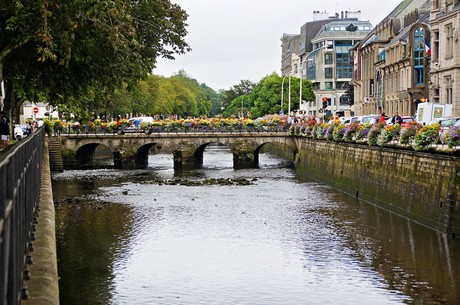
(351, 28)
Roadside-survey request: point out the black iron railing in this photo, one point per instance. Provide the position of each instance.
(20, 177)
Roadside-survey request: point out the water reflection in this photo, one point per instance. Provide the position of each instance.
(124, 238)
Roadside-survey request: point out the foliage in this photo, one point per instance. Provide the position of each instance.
(407, 134)
(339, 132)
(350, 131)
(388, 134)
(57, 51)
(363, 131)
(425, 136)
(452, 137)
(374, 134)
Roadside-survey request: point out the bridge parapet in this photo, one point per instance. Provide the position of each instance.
(131, 150)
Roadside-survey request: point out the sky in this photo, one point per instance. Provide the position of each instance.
(234, 40)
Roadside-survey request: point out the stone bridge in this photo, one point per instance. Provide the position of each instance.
(131, 150)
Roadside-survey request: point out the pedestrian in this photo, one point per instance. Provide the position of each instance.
(382, 118)
(396, 119)
(4, 129)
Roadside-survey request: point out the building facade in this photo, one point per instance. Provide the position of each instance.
(391, 64)
(329, 66)
(445, 54)
(289, 53)
(299, 56)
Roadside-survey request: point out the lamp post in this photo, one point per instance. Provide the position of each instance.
(300, 90)
(282, 89)
(289, 99)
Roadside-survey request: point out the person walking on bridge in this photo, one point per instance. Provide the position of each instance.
(4, 129)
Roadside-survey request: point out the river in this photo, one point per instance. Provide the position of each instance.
(216, 235)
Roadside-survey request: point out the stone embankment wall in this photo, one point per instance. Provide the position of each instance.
(43, 285)
(425, 187)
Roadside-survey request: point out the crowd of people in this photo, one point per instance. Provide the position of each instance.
(19, 131)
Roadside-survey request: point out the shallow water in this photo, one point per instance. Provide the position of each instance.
(142, 237)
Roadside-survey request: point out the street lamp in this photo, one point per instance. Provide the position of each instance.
(282, 89)
(300, 90)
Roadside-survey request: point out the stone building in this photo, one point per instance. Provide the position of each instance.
(329, 66)
(296, 49)
(290, 54)
(445, 53)
(391, 64)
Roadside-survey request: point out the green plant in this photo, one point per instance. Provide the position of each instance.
(452, 137)
(408, 133)
(338, 133)
(388, 134)
(425, 136)
(374, 134)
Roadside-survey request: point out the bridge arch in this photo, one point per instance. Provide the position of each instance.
(85, 155)
(132, 151)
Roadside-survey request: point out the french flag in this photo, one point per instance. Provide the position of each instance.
(427, 47)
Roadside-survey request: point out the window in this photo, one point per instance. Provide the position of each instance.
(449, 30)
(328, 73)
(328, 58)
(435, 51)
(328, 86)
(419, 53)
(311, 67)
(448, 82)
(344, 67)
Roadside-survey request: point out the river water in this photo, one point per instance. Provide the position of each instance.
(216, 235)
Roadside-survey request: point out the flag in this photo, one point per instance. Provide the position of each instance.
(427, 47)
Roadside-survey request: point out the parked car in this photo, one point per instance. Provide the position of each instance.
(135, 121)
(371, 119)
(445, 125)
(347, 120)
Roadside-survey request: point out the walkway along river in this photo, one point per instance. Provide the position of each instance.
(222, 236)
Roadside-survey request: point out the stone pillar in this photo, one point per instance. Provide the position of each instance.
(117, 160)
(184, 158)
(243, 154)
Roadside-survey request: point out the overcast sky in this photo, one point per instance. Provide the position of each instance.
(232, 40)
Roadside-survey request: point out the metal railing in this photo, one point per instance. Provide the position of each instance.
(20, 177)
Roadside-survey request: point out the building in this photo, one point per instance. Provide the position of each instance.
(329, 66)
(290, 54)
(391, 64)
(36, 111)
(296, 50)
(445, 54)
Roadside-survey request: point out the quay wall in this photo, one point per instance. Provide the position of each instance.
(43, 286)
(424, 187)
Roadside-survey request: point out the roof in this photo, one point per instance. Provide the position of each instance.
(345, 28)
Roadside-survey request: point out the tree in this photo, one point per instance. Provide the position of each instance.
(63, 50)
(267, 95)
(244, 87)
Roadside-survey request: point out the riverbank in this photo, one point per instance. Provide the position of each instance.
(43, 286)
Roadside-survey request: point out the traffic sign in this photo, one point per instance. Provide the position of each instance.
(35, 110)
